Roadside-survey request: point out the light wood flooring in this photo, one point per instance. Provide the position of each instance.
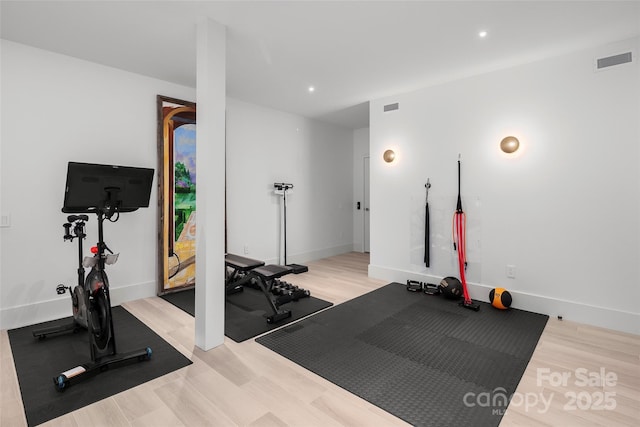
(245, 384)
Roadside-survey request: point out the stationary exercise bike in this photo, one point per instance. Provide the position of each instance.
(90, 300)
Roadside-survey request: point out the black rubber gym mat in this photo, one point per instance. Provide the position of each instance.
(185, 300)
(245, 311)
(38, 361)
(421, 358)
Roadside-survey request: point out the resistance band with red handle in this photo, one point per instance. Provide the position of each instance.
(459, 241)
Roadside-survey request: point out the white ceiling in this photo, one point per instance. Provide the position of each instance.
(350, 51)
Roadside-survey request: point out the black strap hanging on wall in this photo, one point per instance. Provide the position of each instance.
(426, 225)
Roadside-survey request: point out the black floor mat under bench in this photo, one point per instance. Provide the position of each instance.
(38, 361)
(245, 311)
(421, 358)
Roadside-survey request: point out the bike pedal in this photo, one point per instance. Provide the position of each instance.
(61, 289)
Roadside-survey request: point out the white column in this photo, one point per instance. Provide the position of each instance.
(210, 183)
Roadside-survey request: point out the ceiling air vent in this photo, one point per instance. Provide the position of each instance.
(391, 107)
(610, 61)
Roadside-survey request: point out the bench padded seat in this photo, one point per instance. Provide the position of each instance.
(241, 263)
(271, 271)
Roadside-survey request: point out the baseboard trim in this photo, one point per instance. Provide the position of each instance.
(583, 313)
(44, 311)
(301, 258)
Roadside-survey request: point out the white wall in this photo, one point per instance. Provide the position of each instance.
(266, 146)
(56, 109)
(360, 151)
(564, 210)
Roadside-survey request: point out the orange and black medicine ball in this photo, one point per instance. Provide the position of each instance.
(500, 298)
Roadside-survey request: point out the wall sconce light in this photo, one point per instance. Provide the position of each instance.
(389, 156)
(509, 144)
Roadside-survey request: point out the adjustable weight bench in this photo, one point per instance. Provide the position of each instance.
(265, 277)
(238, 277)
(252, 272)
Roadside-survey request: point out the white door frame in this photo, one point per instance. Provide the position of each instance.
(366, 207)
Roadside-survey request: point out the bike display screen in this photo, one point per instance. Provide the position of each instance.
(92, 187)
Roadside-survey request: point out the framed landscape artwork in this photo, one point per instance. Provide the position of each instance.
(176, 194)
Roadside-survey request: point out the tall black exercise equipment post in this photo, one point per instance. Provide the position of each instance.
(426, 225)
(281, 188)
(106, 191)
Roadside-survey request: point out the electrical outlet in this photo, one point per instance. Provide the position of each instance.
(246, 250)
(5, 220)
(511, 271)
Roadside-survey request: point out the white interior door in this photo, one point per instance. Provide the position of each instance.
(366, 205)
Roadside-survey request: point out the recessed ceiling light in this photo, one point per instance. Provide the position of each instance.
(482, 34)
(312, 89)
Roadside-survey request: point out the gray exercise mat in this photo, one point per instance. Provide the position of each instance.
(421, 358)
